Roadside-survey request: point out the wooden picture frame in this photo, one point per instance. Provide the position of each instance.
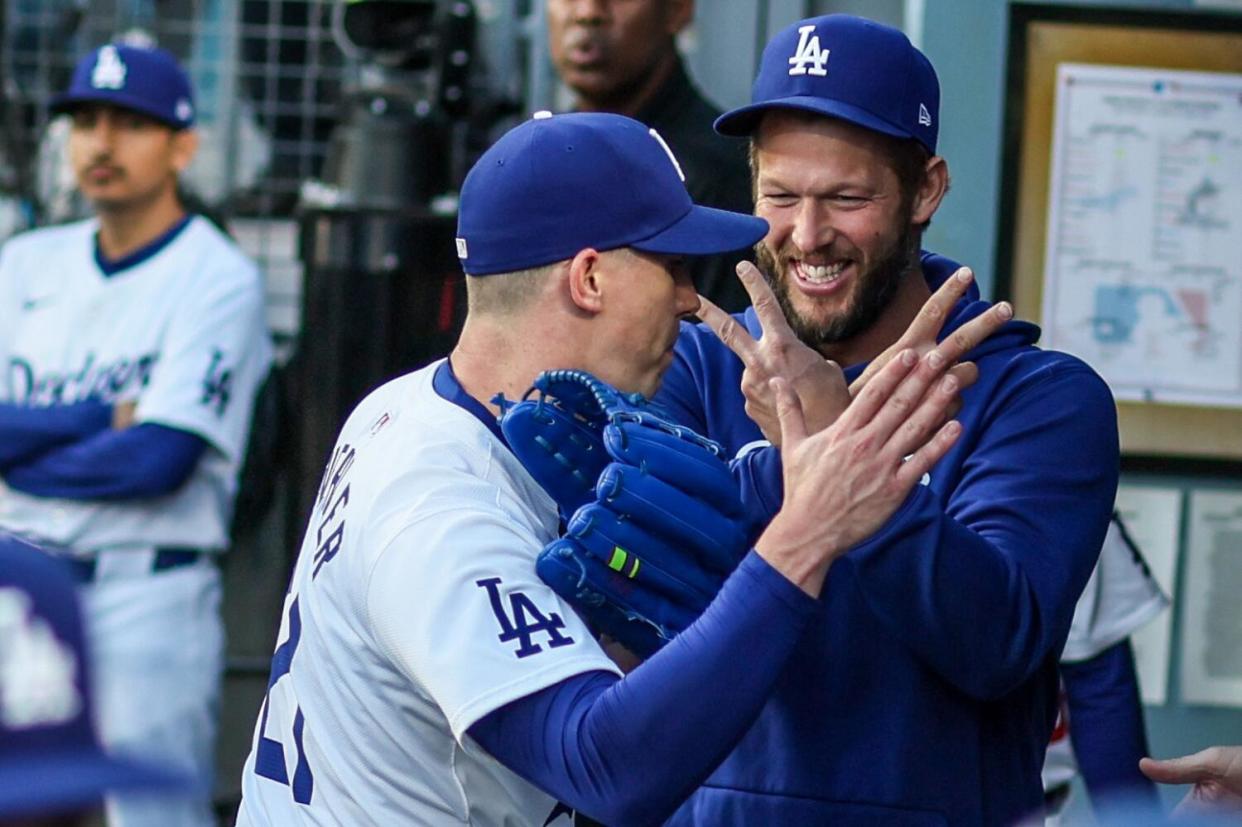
(1040, 38)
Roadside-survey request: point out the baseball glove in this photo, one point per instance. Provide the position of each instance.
(654, 522)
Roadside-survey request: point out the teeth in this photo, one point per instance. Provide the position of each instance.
(820, 273)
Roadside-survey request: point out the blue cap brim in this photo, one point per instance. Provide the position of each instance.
(62, 781)
(67, 103)
(705, 231)
(741, 122)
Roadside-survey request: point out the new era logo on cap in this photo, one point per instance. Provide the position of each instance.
(109, 71)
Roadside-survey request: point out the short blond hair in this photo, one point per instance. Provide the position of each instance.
(501, 294)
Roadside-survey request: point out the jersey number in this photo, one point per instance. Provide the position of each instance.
(269, 759)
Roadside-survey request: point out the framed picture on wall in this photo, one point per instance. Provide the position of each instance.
(1121, 224)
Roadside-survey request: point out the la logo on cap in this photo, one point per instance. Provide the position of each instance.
(808, 58)
(37, 671)
(109, 70)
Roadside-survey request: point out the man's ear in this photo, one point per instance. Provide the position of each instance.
(932, 191)
(185, 144)
(585, 286)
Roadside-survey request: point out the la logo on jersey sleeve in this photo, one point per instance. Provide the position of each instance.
(523, 620)
(218, 383)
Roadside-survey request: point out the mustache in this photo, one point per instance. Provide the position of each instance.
(103, 164)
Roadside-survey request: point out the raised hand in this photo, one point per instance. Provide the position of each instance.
(844, 482)
(818, 383)
(921, 335)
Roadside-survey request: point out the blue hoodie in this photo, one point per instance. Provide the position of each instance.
(925, 690)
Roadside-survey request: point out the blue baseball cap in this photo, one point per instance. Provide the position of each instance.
(845, 67)
(145, 80)
(558, 184)
(50, 760)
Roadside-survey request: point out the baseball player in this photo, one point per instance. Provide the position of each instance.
(925, 691)
(132, 346)
(52, 769)
(1100, 730)
(423, 673)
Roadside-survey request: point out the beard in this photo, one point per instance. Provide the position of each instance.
(874, 292)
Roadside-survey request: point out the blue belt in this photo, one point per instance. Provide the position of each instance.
(84, 568)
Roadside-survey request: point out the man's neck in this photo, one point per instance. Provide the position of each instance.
(633, 99)
(123, 231)
(912, 293)
(488, 360)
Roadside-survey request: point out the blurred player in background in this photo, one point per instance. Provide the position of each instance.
(133, 344)
(53, 772)
(1100, 732)
(621, 56)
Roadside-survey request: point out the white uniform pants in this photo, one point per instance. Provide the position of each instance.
(157, 642)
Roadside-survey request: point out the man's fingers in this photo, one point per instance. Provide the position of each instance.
(974, 332)
(734, 336)
(967, 373)
(925, 327)
(771, 317)
(911, 407)
(926, 414)
(922, 461)
(1189, 769)
(936, 309)
(879, 389)
(788, 412)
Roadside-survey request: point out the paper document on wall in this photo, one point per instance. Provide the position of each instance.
(1142, 271)
(1212, 601)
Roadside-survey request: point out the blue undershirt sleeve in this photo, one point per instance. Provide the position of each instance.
(631, 750)
(147, 460)
(1106, 725)
(26, 432)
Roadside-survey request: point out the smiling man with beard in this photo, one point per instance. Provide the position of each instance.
(926, 688)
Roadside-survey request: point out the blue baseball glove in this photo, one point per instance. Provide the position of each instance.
(654, 522)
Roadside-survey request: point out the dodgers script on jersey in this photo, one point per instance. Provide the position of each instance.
(414, 610)
(182, 334)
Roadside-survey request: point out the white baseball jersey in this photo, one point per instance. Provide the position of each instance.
(414, 610)
(181, 333)
(1121, 596)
